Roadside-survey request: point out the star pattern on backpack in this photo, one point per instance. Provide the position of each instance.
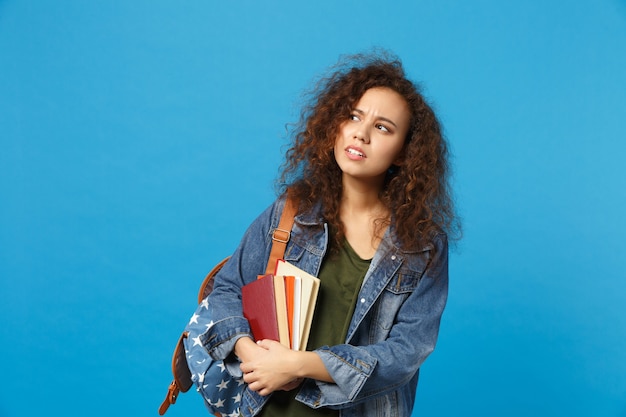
(222, 392)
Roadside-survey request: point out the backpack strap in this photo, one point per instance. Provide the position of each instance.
(281, 235)
(182, 375)
(207, 285)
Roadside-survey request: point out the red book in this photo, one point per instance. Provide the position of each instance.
(260, 308)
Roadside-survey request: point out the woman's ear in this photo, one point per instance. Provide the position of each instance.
(395, 166)
(400, 158)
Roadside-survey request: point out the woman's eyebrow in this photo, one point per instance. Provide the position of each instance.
(361, 112)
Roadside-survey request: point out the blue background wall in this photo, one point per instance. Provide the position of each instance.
(139, 138)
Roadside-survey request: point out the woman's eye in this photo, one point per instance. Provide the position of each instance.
(354, 117)
(382, 128)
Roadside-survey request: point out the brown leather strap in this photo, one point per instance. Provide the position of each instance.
(170, 398)
(207, 285)
(281, 235)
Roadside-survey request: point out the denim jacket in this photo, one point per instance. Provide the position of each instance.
(393, 329)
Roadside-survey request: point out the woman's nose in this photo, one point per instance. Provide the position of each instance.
(362, 135)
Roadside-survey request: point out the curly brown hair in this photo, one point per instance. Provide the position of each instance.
(416, 193)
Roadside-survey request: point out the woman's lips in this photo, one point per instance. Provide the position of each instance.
(355, 153)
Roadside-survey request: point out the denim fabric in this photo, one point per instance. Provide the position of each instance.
(393, 329)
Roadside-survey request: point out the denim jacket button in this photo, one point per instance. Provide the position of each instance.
(393, 257)
(362, 300)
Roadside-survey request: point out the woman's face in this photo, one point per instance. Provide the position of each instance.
(372, 139)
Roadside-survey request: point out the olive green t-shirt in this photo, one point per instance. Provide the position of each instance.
(340, 281)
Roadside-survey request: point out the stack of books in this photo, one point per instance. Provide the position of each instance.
(280, 306)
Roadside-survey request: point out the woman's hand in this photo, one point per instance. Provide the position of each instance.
(273, 367)
(246, 349)
(269, 366)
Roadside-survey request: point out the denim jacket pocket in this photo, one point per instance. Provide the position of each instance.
(305, 251)
(405, 280)
(293, 253)
(399, 288)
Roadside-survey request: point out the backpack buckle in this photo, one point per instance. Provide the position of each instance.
(281, 235)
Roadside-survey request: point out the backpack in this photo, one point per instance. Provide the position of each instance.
(191, 363)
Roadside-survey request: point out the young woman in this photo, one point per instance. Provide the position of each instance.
(368, 169)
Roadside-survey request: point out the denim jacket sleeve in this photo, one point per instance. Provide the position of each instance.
(393, 329)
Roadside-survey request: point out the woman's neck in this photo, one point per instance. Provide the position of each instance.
(360, 208)
(360, 197)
